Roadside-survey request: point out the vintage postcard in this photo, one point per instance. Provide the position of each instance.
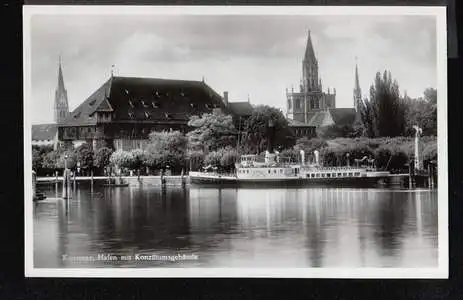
(301, 142)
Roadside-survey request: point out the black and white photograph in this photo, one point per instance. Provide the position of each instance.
(301, 142)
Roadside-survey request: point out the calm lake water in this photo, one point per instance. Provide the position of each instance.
(307, 227)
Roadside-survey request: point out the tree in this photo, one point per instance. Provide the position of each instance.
(84, 155)
(229, 157)
(422, 112)
(138, 160)
(67, 158)
(37, 160)
(121, 159)
(166, 149)
(309, 145)
(430, 95)
(101, 157)
(335, 131)
(257, 130)
(211, 131)
(383, 115)
(213, 159)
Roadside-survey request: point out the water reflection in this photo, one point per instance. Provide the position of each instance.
(239, 227)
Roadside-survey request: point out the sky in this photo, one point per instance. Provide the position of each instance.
(253, 56)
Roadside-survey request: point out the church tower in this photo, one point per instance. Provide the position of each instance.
(61, 98)
(310, 68)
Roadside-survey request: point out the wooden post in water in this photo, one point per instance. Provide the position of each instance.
(91, 176)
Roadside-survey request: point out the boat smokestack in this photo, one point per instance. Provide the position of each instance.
(267, 155)
(302, 157)
(317, 158)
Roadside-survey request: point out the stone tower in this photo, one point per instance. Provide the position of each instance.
(310, 99)
(61, 98)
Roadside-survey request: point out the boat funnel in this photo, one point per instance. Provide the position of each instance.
(267, 156)
(302, 157)
(317, 158)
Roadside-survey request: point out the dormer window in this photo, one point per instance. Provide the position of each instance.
(193, 105)
(156, 93)
(167, 115)
(131, 104)
(131, 115)
(155, 104)
(77, 115)
(92, 102)
(126, 91)
(147, 115)
(143, 103)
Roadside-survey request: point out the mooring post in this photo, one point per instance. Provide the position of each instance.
(91, 176)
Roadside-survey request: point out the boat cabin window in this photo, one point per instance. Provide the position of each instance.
(274, 171)
(350, 174)
(269, 171)
(339, 174)
(318, 175)
(344, 174)
(357, 173)
(312, 175)
(328, 175)
(323, 175)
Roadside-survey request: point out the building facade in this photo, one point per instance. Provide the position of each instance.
(125, 110)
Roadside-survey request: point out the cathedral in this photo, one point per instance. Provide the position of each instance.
(47, 134)
(311, 107)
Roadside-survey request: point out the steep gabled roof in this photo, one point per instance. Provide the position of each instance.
(321, 118)
(241, 109)
(343, 116)
(147, 100)
(84, 113)
(44, 132)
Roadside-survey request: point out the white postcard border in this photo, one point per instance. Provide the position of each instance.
(440, 272)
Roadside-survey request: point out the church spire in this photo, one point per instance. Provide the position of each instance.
(357, 90)
(309, 52)
(61, 97)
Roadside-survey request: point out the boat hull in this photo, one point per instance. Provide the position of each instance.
(367, 182)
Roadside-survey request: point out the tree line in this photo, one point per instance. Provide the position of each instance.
(213, 140)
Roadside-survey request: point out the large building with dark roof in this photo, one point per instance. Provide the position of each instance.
(124, 110)
(311, 107)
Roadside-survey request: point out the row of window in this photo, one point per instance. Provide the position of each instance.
(158, 94)
(275, 171)
(314, 103)
(328, 175)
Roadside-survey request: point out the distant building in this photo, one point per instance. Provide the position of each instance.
(311, 106)
(124, 110)
(44, 135)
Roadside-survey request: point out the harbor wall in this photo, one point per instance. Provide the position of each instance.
(131, 180)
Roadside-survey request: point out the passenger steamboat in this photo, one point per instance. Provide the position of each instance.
(272, 172)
